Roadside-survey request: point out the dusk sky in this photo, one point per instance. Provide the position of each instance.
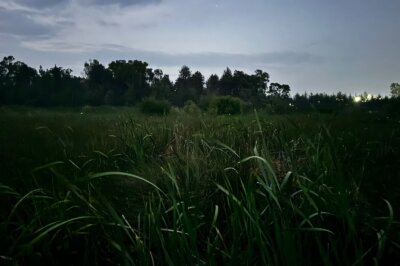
(313, 45)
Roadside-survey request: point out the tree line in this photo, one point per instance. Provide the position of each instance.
(125, 82)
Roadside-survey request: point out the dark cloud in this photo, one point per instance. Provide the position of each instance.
(205, 59)
(18, 23)
(124, 2)
(40, 3)
(51, 3)
(291, 58)
(105, 23)
(229, 59)
(109, 52)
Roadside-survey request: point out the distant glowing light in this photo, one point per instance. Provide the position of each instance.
(363, 98)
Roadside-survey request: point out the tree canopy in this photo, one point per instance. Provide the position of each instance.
(395, 90)
(128, 82)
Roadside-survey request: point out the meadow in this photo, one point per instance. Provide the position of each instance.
(98, 186)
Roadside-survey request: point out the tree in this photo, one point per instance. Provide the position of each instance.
(99, 84)
(240, 85)
(184, 73)
(262, 79)
(280, 90)
(133, 77)
(197, 84)
(57, 86)
(184, 88)
(181, 85)
(96, 72)
(212, 85)
(225, 82)
(250, 88)
(16, 81)
(161, 86)
(395, 90)
(23, 80)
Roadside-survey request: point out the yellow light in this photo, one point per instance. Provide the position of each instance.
(357, 99)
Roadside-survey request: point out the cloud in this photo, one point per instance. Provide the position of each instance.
(34, 20)
(39, 3)
(208, 59)
(123, 2)
(212, 59)
(77, 28)
(51, 3)
(89, 29)
(19, 23)
(204, 59)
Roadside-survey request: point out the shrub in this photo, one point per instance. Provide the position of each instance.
(226, 105)
(86, 109)
(176, 110)
(247, 107)
(205, 101)
(277, 104)
(153, 106)
(191, 108)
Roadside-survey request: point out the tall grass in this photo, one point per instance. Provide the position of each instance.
(185, 190)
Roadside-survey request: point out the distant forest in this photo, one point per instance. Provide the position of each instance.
(129, 82)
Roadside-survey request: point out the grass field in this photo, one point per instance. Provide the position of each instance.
(97, 186)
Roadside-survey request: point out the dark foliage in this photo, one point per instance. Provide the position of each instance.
(129, 82)
(226, 105)
(153, 106)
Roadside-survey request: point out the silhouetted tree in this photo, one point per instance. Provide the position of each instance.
(161, 86)
(100, 88)
(250, 88)
(301, 102)
(127, 82)
(241, 85)
(281, 90)
(57, 86)
(133, 77)
(197, 84)
(183, 89)
(16, 82)
(212, 85)
(262, 79)
(395, 90)
(226, 83)
(184, 73)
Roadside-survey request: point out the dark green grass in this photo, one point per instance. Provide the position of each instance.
(112, 186)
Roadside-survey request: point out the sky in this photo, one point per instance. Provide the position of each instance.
(327, 46)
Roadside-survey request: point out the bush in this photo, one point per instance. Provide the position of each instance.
(153, 106)
(247, 107)
(86, 109)
(225, 105)
(176, 110)
(204, 102)
(191, 108)
(277, 104)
